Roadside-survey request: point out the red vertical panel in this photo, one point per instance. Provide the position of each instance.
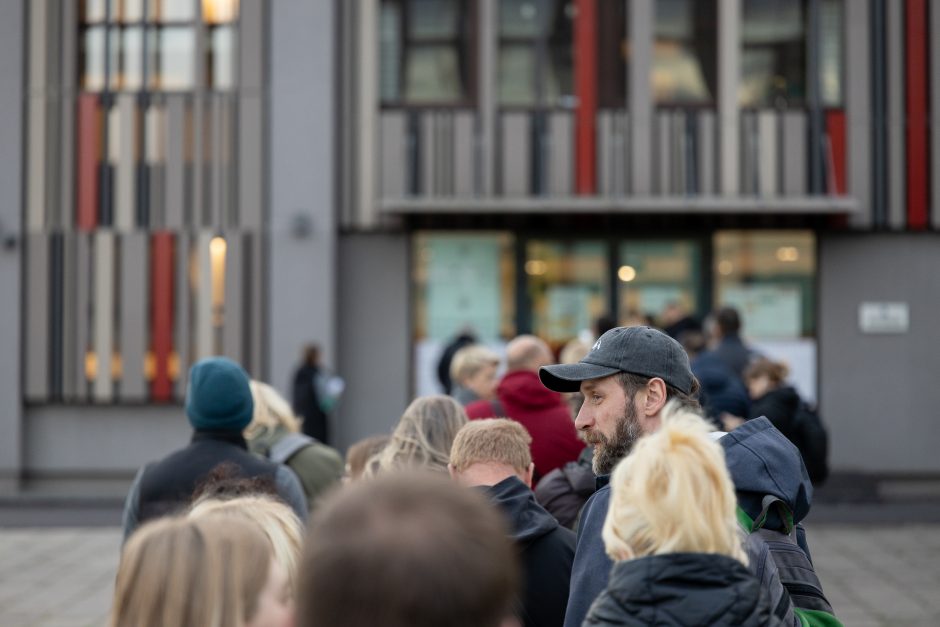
(835, 129)
(161, 315)
(585, 71)
(916, 74)
(89, 154)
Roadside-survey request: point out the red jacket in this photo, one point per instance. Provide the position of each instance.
(542, 412)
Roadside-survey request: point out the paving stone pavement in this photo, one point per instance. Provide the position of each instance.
(874, 576)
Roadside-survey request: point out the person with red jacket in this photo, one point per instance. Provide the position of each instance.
(522, 397)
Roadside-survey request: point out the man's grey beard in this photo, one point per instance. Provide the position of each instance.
(609, 451)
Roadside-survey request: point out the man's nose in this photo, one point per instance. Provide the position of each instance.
(584, 419)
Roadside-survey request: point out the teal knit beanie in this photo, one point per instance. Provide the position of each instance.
(218, 397)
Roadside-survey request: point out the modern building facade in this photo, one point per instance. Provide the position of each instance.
(184, 178)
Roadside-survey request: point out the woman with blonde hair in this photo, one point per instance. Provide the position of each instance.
(473, 373)
(274, 432)
(423, 437)
(673, 535)
(278, 522)
(208, 571)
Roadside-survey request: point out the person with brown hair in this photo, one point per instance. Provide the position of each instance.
(423, 436)
(210, 571)
(407, 550)
(359, 453)
(493, 455)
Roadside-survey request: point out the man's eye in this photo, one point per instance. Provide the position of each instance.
(596, 398)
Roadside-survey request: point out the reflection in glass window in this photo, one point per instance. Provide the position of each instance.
(567, 286)
(172, 10)
(684, 54)
(175, 59)
(221, 58)
(389, 51)
(768, 276)
(433, 74)
(773, 53)
(655, 274)
(525, 27)
(130, 74)
(831, 46)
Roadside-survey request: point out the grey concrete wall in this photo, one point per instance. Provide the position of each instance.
(101, 440)
(374, 336)
(880, 393)
(301, 270)
(12, 29)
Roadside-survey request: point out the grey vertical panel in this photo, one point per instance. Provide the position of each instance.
(232, 333)
(515, 158)
(203, 335)
(896, 115)
(768, 153)
(426, 161)
(251, 165)
(706, 153)
(155, 160)
(749, 153)
(561, 164)
(182, 323)
(71, 275)
(216, 166)
(394, 128)
(604, 139)
(67, 110)
(83, 287)
(663, 152)
(640, 21)
(367, 111)
(487, 95)
(124, 199)
(679, 154)
(36, 353)
(622, 149)
(858, 108)
(934, 65)
(104, 314)
(256, 328)
(133, 299)
(175, 189)
(729, 64)
(37, 135)
(794, 153)
(251, 50)
(464, 146)
(195, 192)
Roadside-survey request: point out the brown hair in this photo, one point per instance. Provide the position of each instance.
(493, 440)
(178, 571)
(632, 383)
(407, 550)
(423, 436)
(360, 452)
(776, 371)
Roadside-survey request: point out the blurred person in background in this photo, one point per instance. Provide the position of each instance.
(672, 532)
(274, 433)
(465, 337)
(359, 453)
(314, 393)
(723, 396)
(206, 571)
(543, 413)
(423, 437)
(408, 549)
(724, 336)
(473, 374)
(493, 455)
(675, 320)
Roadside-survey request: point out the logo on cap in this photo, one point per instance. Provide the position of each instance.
(597, 345)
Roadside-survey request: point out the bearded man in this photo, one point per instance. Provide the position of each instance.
(627, 378)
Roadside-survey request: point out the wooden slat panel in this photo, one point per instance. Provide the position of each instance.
(463, 147)
(232, 327)
(561, 153)
(133, 299)
(162, 281)
(706, 153)
(36, 353)
(89, 157)
(794, 153)
(104, 259)
(515, 167)
(393, 162)
(767, 155)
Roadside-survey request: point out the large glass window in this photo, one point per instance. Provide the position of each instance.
(535, 65)
(684, 54)
(424, 56)
(769, 277)
(654, 275)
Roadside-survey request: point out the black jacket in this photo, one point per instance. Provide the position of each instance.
(682, 589)
(564, 491)
(546, 553)
(722, 390)
(306, 403)
(781, 407)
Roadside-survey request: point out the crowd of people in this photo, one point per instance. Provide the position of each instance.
(622, 484)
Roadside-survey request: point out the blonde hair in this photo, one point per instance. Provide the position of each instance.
(277, 520)
(423, 436)
(179, 571)
(673, 494)
(359, 454)
(271, 411)
(469, 360)
(492, 440)
(574, 351)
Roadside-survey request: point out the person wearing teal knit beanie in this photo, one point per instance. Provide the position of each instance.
(218, 397)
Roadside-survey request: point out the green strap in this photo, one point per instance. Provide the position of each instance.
(751, 525)
(816, 618)
(744, 520)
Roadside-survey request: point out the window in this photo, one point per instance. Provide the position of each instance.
(684, 53)
(831, 60)
(655, 274)
(611, 54)
(536, 63)
(424, 56)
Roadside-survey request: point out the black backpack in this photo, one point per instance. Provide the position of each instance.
(811, 438)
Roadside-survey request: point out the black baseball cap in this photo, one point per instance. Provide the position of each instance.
(642, 351)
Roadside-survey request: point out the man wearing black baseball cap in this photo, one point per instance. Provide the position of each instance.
(627, 378)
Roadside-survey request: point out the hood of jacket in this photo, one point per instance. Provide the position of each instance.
(523, 389)
(763, 461)
(681, 589)
(529, 520)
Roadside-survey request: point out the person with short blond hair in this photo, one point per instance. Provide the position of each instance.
(205, 571)
(493, 455)
(672, 532)
(473, 373)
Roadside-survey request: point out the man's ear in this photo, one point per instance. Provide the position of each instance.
(655, 397)
(452, 471)
(529, 473)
